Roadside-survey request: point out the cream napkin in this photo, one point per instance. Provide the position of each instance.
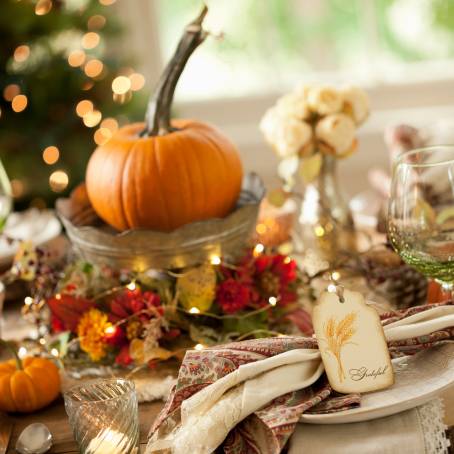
(208, 415)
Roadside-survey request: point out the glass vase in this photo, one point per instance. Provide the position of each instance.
(326, 223)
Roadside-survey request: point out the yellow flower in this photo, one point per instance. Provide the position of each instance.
(91, 332)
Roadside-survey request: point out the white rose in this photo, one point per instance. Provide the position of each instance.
(336, 134)
(324, 100)
(356, 103)
(292, 137)
(268, 124)
(293, 105)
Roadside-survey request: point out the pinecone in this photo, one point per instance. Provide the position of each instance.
(402, 285)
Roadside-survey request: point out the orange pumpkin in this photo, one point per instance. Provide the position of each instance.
(28, 385)
(165, 173)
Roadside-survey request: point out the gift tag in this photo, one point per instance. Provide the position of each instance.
(352, 342)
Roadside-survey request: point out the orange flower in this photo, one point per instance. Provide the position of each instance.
(91, 331)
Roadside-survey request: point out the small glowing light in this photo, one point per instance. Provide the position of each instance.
(21, 53)
(28, 300)
(43, 7)
(55, 352)
(58, 181)
(84, 107)
(42, 341)
(261, 229)
(107, 2)
(331, 288)
(76, 58)
(272, 300)
(121, 85)
(11, 91)
(51, 155)
(319, 230)
(22, 352)
(131, 286)
(93, 68)
(137, 81)
(199, 347)
(194, 310)
(90, 40)
(17, 188)
(110, 123)
(110, 329)
(259, 248)
(91, 119)
(96, 22)
(19, 103)
(215, 260)
(102, 136)
(58, 296)
(335, 276)
(287, 260)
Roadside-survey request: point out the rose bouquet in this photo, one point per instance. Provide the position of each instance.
(313, 121)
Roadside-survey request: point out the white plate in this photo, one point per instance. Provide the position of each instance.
(35, 225)
(425, 376)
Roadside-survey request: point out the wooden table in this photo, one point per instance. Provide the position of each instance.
(56, 420)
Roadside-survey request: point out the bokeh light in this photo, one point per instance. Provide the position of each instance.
(91, 119)
(19, 103)
(17, 188)
(84, 107)
(96, 22)
(51, 155)
(137, 81)
(21, 53)
(58, 180)
(93, 68)
(10, 91)
(102, 136)
(90, 40)
(43, 7)
(76, 58)
(88, 85)
(110, 123)
(107, 2)
(121, 85)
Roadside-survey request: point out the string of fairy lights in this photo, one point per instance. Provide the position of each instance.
(87, 56)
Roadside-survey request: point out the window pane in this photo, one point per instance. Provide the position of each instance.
(272, 44)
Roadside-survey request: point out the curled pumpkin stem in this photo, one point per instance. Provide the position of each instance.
(160, 105)
(12, 350)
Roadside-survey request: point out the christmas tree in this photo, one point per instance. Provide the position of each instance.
(62, 92)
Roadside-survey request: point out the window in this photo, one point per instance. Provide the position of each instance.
(271, 44)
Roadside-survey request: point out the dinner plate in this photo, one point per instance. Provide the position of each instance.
(35, 225)
(418, 379)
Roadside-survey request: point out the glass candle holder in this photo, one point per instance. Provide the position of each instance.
(104, 416)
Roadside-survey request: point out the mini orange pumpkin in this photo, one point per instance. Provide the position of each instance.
(164, 174)
(28, 385)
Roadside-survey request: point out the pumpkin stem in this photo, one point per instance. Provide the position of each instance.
(159, 107)
(13, 351)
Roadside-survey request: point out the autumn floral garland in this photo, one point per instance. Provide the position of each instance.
(105, 316)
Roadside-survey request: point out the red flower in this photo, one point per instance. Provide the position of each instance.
(232, 295)
(56, 324)
(145, 304)
(68, 309)
(274, 276)
(124, 358)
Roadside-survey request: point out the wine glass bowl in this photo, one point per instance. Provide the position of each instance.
(421, 211)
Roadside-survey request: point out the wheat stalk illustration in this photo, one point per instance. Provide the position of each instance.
(337, 336)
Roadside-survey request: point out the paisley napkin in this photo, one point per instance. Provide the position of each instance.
(247, 397)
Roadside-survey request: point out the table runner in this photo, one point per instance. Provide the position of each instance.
(261, 387)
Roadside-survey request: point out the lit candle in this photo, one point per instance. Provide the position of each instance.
(110, 442)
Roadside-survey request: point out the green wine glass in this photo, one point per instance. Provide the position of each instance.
(421, 211)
